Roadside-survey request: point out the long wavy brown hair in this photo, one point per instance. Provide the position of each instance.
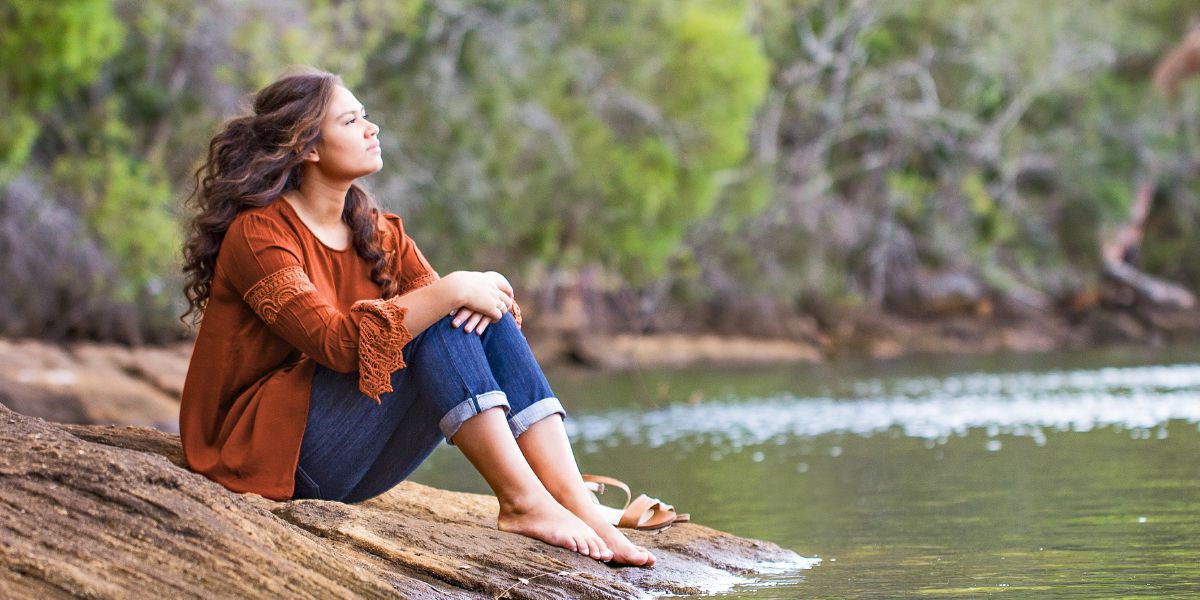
(254, 159)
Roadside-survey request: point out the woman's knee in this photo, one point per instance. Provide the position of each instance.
(505, 326)
(438, 337)
(508, 321)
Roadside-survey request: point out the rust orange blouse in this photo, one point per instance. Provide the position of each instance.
(281, 302)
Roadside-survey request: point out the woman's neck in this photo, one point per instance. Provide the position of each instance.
(321, 201)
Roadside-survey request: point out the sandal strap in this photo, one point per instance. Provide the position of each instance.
(633, 513)
(636, 517)
(596, 484)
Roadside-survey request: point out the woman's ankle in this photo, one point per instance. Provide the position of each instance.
(523, 503)
(577, 501)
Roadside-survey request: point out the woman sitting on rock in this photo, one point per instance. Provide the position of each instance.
(332, 358)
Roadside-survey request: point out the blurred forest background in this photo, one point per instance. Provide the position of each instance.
(706, 165)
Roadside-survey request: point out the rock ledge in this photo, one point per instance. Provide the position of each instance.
(108, 512)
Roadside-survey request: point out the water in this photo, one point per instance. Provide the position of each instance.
(1062, 475)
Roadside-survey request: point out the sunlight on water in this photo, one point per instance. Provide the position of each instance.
(767, 576)
(1019, 404)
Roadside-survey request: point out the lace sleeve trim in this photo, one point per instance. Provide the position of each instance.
(273, 292)
(381, 337)
(516, 313)
(419, 282)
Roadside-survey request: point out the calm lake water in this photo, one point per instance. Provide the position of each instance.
(1037, 476)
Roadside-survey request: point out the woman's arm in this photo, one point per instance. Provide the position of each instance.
(415, 272)
(464, 291)
(261, 260)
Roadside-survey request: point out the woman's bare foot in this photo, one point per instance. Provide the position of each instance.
(546, 520)
(624, 551)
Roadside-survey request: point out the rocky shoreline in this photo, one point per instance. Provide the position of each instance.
(103, 511)
(879, 336)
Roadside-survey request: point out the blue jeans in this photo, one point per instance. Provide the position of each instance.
(354, 449)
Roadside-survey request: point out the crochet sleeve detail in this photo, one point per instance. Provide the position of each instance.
(516, 313)
(418, 282)
(273, 292)
(382, 336)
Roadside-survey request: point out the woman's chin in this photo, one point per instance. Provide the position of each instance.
(378, 166)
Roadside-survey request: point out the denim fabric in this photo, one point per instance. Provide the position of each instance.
(354, 449)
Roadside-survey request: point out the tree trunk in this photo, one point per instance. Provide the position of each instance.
(1122, 247)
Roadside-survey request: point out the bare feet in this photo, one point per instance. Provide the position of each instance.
(624, 551)
(546, 520)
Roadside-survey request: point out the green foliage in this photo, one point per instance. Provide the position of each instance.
(48, 49)
(51, 48)
(127, 204)
(579, 133)
(710, 147)
(992, 223)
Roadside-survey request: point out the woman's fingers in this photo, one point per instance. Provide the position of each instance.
(472, 322)
(461, 314)
(483, 325)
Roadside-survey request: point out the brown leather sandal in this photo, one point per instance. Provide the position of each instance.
(642, 513)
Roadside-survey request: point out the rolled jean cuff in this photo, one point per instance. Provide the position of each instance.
(533, 413)
(469, 408)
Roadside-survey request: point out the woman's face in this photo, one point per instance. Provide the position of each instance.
(349, 144)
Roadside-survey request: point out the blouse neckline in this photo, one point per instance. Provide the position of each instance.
(288, 206)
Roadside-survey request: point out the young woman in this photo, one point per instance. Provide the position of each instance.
(332, 358)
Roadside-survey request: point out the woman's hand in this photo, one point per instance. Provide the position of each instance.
(479, 289)
(472, 319)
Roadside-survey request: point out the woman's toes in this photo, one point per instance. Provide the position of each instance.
(639, 556)
(597, 548)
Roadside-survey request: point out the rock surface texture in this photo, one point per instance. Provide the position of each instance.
(97, 511)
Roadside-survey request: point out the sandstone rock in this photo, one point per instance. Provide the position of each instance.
(91, 378)
(624, 351)
(109, 512)
(41, 402)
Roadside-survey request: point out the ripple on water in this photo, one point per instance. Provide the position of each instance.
(1025, 404)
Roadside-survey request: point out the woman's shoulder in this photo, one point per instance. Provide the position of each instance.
(390, 219)
(391, 224)
(257, 228)
(271, 218)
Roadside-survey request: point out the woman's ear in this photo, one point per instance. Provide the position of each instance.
(313, 156)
